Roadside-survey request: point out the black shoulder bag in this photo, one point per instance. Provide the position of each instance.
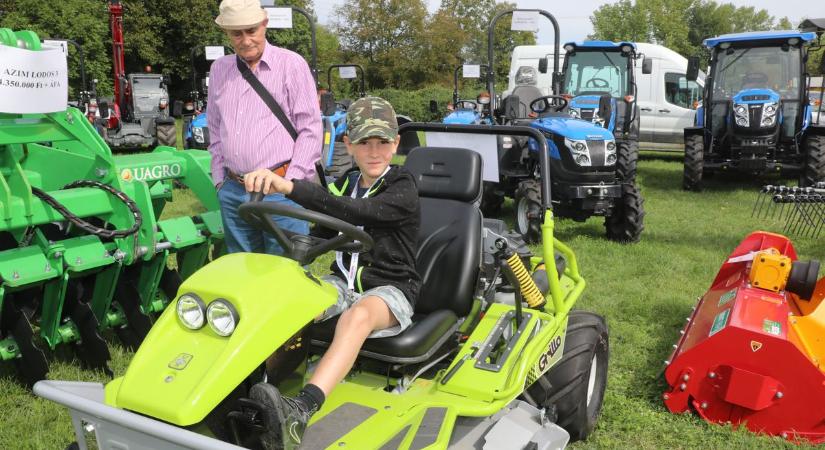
(266, 97)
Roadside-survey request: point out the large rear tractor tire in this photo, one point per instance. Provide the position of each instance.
(694, 161)
(814, 171)
(575, 385)
(167, 135)
(626, 222)
(627, 156)
(341, 160)
(528, 211)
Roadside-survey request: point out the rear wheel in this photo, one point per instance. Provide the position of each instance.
(575, 385)
(694, 162)
(167, 135)
(341, 160)
(626, 222)
(814, 171)
(528, 211)
(627, 155)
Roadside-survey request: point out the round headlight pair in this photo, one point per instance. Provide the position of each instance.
(221, 316)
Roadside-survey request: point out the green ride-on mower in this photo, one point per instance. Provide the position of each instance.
(495, 357)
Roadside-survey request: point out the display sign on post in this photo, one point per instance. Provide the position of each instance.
(32, 81)
(471, 71)
(62, 45)
(213, 52)
(347, 72)
(525, 21)
(279, 17)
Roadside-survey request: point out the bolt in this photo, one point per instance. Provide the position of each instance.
(342, 444)
(704, 405)
(101, 172)
(784, 435)
(48, 268)
(675, 346)
(177, 238)
(15, 275)
(69, 118)
(119, 254)
(779, 394)
(78, 260)
(681, 331)
(666, 396)
(712, 375)
(667, 363)
(387, 407)
(686, 377)
(58, 254)
(682, 386)
(168, 378)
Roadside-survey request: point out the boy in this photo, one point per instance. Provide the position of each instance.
(376, 289)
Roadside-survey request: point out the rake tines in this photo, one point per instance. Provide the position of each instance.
(802, 209)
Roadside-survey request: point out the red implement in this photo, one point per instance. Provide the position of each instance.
(756, 355)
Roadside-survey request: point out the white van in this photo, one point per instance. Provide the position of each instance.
(666, 100)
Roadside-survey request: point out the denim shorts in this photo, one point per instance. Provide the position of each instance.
(395, 300)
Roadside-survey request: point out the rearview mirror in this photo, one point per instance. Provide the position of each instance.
(692, 68)
(647, 66)
(433, 106)
(543, 65)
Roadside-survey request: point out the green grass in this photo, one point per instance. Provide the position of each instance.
(644, 290)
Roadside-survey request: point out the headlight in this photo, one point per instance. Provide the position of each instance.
(582, 160)
(742, 122)
(741, 110)
(768, 121)
(611, 159)
(222, 317)
(579, 146)
(191, 311)
(574, 113)
(197, 131)
(611, 146)
(581, 154)
(741, 113)
(770, 108)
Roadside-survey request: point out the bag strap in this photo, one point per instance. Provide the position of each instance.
(266, 97)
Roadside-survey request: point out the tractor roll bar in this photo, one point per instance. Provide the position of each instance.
(455, 80)
(498, 130)
(490, 38)
(361, 91)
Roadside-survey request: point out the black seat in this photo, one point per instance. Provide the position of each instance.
(448, 257)
(526, 94)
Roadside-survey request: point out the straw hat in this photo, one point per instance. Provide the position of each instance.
(240, 14)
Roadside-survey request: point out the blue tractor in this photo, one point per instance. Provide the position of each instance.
(583, 158)
(334, 156)
(468, 112)
(195, 131)
(755, 118)
(600, 85)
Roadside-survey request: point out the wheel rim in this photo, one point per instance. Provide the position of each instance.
(521, 216)
(591, 382)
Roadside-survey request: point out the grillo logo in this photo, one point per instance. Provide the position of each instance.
(151, 173)
(546, 357)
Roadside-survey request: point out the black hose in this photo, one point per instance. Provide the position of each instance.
(86, 226)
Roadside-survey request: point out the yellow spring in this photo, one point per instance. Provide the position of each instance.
(528, 287)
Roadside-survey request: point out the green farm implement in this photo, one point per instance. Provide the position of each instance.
(83, 248)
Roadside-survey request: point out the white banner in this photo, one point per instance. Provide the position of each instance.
(213, 52)
(32, 81)
(525, 21)
(347, 72)
(484, 144)
(62, 45)
(471, 71)
(279, 17)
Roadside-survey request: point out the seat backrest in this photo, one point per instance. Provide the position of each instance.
(449, 241)
(526, 95)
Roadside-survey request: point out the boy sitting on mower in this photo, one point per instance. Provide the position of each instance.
(376, 289)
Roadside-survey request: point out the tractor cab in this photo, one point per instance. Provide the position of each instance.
(150, 99)
(755, 117)
(599, 83)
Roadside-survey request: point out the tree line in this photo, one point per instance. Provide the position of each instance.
(398, 42)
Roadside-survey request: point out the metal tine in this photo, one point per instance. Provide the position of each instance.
(819, 206)
(760, 200)
(789, 200)
(804, 220)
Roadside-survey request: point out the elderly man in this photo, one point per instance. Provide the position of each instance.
(245, 133)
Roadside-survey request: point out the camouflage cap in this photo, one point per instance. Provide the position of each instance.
(371, 117)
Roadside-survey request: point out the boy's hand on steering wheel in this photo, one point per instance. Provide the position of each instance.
(266, 181)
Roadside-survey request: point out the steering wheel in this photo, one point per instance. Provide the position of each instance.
(342, 105)
(598, 83)
(554, 102)
(301, 247)
(466, 104)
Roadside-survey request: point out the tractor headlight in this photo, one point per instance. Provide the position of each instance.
(769, 114)
(191, 311)
(198, 133)
(611, 146)
(740, 112)
(770, 108)
(574, 113)
(222, 317)
(581, 154)
(610, 153)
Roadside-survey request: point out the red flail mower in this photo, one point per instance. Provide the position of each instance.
(753, 351)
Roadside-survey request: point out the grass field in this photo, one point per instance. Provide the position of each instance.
(644, 290)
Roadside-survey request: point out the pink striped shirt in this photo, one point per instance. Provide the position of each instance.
(245, 135)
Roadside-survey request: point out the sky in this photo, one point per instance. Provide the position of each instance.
(574, 16)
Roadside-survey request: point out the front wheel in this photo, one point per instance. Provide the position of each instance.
(814, 171)
(575, 385)
(528, 211)
(694, 162)
(627, 157)
(167, 135)
(626, 221)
